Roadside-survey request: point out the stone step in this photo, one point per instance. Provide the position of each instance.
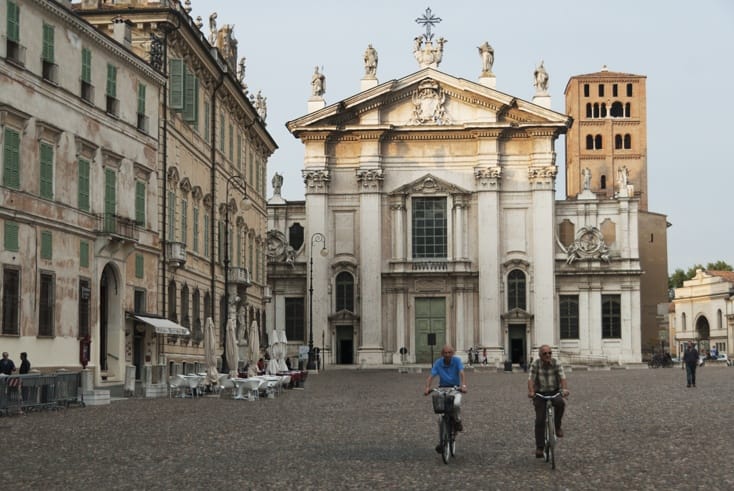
(96, 397)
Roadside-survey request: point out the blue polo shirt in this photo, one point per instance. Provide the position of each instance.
(448, 374)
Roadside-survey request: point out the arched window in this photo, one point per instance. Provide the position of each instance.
(603, 110)
(601, 90)
(614, 90)
(589, 142)
(718, 319)
(586, 90)
(627, 110)
(616, 110)
(344, 292)
(627, 141)
(596, 109)
(295, 236)
(588, 110)
(683, 321)
(603, 182)
(172, 301)
(516, 290)
(597, 142)
(629, 90)
(617, 141)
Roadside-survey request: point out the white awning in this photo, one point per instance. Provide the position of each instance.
(164, 326)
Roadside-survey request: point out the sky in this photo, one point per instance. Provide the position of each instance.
(683, 48)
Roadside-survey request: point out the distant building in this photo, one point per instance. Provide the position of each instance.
(702, 312)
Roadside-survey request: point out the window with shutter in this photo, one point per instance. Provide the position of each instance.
(11, 237)
(83, 191)
(48, 43)
(11, 158)
(84, 254)
(111, 81)
(86, 65)
(13, 22)
(47, 171)
(140, 203)
(110, 199)
(47, 245)
(139, 266)
(176, 80)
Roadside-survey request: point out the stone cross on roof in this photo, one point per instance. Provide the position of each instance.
(428, 20)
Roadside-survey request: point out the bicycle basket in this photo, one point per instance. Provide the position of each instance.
(442, 402)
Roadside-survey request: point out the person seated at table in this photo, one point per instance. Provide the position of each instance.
(288, 363)
(261, 365)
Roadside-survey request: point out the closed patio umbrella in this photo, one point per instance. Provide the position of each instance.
(210, 342)
(233, 356)
(253, 351)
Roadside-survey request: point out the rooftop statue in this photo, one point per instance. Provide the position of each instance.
(487, 53)
(541, 79)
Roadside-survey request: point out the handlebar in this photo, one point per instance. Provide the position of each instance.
(552, 396)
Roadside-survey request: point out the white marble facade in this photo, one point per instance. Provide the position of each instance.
(486, 161)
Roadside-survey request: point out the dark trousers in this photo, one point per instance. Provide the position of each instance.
(559, 405)
(691, 373)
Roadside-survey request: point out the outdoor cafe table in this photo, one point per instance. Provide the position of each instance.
(193, 380)
(246, 387)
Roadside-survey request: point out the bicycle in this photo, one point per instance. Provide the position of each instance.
(550, 439)
(443, 404)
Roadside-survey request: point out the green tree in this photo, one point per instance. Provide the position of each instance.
(679, 276)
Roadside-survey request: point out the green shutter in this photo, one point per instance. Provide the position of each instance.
(141, 99)
(84, 254)
(191, 96)
(206, 235)
(176, 77)
(11, 237)
(140, 203)
(112, 81)
(196, 229)
(48, 43)
(47, 245)
(171, 216)
(239, 151)
(231, 142)
(47, 171)
(13, 22)
(11, 159)
(139, 266)
(86, 65)
(83, 192)
(221, 132)
(110, 199)
(184, 220)
(207, 117)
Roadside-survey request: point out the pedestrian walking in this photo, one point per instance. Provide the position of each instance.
(25, 364)
(690, 359)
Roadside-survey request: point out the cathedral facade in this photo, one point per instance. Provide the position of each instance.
(433, 200)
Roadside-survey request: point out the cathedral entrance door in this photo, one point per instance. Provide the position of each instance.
(430, 327)
(344, 345)
(517, 343)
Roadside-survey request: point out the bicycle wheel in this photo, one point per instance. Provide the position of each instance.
(452, 439)
(550, 425)
(446, 439)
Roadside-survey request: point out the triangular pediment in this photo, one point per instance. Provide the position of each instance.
(428, 100)
(429, 184)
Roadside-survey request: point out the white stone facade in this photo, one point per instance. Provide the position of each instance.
(437, 198)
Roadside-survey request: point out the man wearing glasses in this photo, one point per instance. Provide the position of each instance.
(546, 378)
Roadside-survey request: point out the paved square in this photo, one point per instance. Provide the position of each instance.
(373, 429)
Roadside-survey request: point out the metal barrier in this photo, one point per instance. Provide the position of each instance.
(20, 393)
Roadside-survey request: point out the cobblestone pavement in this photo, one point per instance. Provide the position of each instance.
(372, 429)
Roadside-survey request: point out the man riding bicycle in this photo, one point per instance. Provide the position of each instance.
(546, 378)
(450, 371)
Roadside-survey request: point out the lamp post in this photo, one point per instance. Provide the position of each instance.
(246, 205)
(316, 237)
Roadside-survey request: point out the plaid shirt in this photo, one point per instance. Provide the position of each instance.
(547, 377)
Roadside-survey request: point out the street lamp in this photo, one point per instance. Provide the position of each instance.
(246, 205)
(316, 237)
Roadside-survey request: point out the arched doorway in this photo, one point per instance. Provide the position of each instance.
(110, 322)
(704, 335)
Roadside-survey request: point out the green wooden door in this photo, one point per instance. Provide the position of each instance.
(430, 318)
